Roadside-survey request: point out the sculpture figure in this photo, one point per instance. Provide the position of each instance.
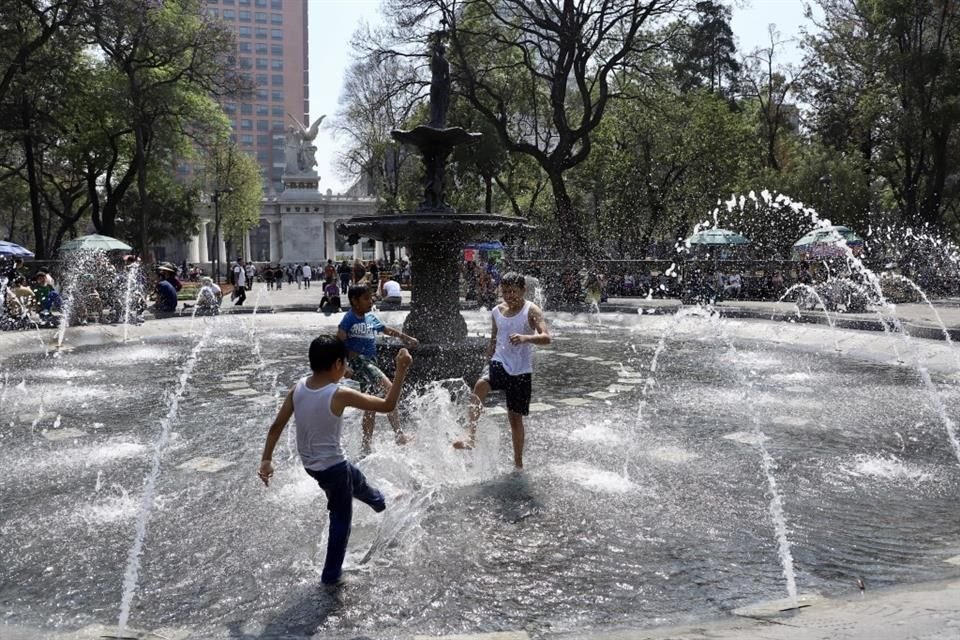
(439, 84)
(300, 152)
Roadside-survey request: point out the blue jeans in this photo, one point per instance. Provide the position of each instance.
(342, 483)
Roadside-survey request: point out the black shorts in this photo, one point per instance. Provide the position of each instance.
(518, 389)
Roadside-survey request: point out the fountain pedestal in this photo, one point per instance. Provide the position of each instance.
(435, 235)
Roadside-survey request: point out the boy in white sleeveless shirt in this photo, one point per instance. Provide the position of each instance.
(317, 403)
(517, 325)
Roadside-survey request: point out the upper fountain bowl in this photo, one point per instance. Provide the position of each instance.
(434, 228)
(428, 137)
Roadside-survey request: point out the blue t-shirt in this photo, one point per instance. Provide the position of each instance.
(361, 333)
(166, 296)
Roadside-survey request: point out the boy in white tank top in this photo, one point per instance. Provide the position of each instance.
(517, 325)
(317, 402)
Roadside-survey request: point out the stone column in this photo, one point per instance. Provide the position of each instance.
(402, 253)
(193, 250)
(204, 242)
(330, 235)
(378, 250)
(224, 258)
(274, 241)
(358, 250)
(247, 254)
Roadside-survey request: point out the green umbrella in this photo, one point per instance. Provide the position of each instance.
(716, 237)
(826, 242)
(831, 235)
(95, 242)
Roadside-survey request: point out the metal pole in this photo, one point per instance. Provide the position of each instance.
(216, 235)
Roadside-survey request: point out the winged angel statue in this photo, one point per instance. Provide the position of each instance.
(300, 151)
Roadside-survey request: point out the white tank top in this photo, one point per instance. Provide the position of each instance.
(516, 359)
(318, 430)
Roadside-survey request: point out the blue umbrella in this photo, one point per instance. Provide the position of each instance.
(485, 246)
(14, 250)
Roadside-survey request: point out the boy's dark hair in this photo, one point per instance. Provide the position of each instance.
(513, 279)
(325, 351)
(357, 291)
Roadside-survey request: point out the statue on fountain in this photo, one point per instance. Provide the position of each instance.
(300, 152)
(439, 83)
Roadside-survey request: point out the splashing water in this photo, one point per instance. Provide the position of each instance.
(132, 571)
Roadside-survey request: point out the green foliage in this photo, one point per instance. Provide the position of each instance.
(237, 175)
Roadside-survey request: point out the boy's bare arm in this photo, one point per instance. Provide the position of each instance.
(492, 346)
(341, 335)
(283, 417)
(345, 397)
(539, 323)
(410, 341)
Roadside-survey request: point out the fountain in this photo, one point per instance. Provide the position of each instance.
(435, 235)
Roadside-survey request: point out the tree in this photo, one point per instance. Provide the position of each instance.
(706, 52)
(379, 95)
(771, 85)
(540, 72)
(895, 67)
(232, 180)
(171, 57)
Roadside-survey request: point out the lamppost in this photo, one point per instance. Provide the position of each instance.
(217, 194)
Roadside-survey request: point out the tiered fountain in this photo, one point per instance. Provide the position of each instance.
(435, 235)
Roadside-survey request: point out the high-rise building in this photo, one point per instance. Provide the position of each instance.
(272, 51)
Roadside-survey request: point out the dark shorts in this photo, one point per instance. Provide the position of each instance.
(367, 374)
(518, 389)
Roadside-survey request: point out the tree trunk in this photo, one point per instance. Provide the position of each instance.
(488, 194)
(573, 243)
(33, 180)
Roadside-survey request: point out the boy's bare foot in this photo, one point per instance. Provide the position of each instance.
(402, 438)
(465, 445)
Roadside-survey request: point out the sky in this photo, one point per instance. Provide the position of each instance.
(331, 23)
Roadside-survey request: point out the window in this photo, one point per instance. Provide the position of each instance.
(276, 112)
(276, 49)
(229, 14)
(244, 3)
(261, 3)
(245, 32)
(211, 1)
(276, 18)
(245, 47)
(229, 108)
(276, 80)
(276, 96)
(261, 48)
(246, 123)
(246, 138)
(276, 65)
(263, 140)
(261, 17)
(229, 2)
(276, 34)
(263, 125)
(262, 94)
(277, 125)
(260, 32)
(246, 109)
(261, 80)
(245, 63)
(276, 4)
(213, 13)
(279, 156)
(263, 110)
(262, 64)
(263, 156)
(244, 16)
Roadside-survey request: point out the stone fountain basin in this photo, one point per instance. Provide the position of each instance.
(619, 520)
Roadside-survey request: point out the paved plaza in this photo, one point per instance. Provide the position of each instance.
(925, 611)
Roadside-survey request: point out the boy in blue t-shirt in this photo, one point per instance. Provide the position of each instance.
(358, 330)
